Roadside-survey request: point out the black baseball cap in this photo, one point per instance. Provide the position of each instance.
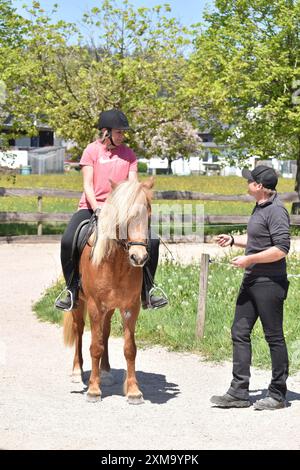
(262, 174)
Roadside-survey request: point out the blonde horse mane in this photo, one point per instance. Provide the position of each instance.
(127, 201)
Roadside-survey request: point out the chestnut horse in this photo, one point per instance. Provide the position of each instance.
(111, 277)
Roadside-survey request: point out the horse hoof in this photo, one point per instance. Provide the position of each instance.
(76, 378)
(107, 378)
(93, 398)
(135, 400)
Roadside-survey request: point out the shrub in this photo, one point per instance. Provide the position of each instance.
(142, 167)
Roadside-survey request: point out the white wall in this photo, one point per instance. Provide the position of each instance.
(158, 163)
(181, 167)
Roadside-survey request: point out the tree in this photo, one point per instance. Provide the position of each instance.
(247, 61)
(13, 29)
(135, 62)
(175, 140)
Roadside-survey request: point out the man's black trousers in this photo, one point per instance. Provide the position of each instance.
(263, 298)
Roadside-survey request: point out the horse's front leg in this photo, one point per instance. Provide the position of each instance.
(96, 351)
(131, 387)
(106, 375)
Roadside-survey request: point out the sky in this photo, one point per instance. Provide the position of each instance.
(187, 11)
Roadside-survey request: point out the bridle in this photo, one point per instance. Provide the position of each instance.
(127, 245)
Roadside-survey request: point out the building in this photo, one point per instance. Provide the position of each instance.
(212, 161)
(39, 154)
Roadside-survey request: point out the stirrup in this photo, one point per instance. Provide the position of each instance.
(157, 290)
(72, 299)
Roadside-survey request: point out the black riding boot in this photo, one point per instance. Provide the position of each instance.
(149, 299)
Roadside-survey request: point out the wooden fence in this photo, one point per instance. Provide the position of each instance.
(203, 284)
(41, 217)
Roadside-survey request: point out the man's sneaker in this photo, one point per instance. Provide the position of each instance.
(69, 302)
(228, 401)
(155, 302)
(268, 403)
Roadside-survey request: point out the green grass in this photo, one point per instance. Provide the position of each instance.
(174, 326)
(29, 204)
(18, 229)
(206, 184)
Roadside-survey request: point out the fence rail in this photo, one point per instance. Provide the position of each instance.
(41, 217)
(168, 195)
(63, 217)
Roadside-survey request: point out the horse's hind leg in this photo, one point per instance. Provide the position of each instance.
(78, 325)
(131, 387)
(106, 375)
(96, 350)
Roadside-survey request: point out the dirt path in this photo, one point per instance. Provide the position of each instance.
(41, 409)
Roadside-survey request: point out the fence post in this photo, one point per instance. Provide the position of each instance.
(202, 295)
(40, 224)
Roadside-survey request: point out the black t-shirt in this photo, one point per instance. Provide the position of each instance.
(269, 225)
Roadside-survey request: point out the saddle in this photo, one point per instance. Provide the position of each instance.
(81, 237)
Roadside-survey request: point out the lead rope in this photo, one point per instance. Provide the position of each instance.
(173, 259)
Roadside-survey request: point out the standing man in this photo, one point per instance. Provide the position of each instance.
(262, 292)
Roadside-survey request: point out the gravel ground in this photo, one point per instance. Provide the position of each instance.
(41, 409)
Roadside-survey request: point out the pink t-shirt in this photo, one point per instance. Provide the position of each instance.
(108, 165)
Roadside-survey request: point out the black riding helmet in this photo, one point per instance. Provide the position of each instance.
(113, 119)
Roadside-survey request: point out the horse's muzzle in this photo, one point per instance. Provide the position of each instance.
(138, 261)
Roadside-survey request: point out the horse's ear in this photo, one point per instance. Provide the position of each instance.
(113, 184)
(149, 183)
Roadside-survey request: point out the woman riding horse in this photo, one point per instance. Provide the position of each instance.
(104, 160)
(111, 277)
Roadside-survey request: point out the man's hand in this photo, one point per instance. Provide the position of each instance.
(224, 240)
(241, 262)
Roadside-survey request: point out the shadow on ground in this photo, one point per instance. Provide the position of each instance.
(155, 387)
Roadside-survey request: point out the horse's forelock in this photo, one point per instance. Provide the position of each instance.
(126, 201)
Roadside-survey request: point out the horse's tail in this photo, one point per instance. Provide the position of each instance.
(70, 325)
(69, 330)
